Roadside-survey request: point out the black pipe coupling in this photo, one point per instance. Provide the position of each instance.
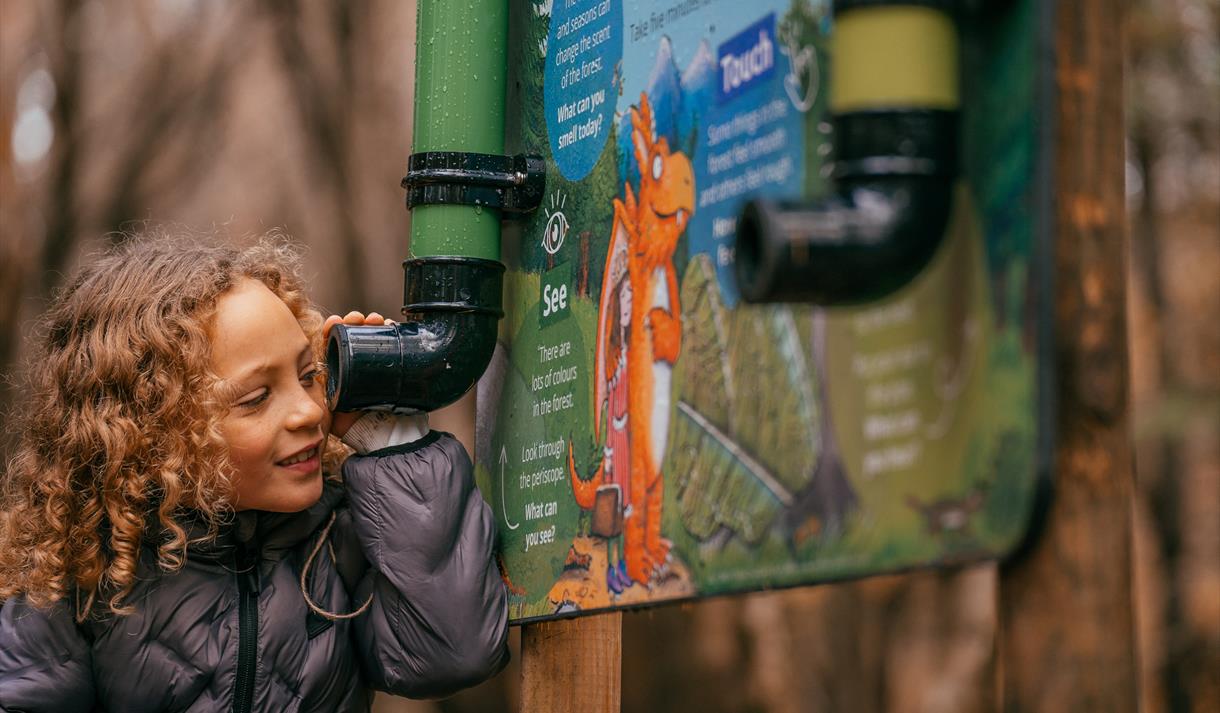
(512, 184)
(894, 174)
(451, 306)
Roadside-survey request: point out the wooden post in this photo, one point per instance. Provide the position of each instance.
(572, 665)
(567, 665)
(1066, 624)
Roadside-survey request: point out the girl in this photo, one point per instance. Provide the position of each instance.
(172, 536)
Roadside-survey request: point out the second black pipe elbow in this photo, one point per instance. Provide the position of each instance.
(895, 172)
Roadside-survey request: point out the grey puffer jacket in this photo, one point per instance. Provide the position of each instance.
(231, 630)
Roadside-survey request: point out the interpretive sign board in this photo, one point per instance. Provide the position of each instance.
(642, 435)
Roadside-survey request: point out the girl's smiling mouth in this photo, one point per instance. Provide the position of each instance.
(305, 460)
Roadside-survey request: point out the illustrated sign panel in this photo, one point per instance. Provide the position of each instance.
(642, 435)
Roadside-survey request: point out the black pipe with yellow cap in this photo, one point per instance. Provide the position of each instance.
(894, 104)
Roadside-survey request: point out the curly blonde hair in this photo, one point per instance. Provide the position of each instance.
(122, 416)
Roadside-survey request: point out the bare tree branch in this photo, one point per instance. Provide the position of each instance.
(170, 108)
(323, 110)
(62, 211)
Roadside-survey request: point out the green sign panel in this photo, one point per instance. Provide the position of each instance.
(643, 436)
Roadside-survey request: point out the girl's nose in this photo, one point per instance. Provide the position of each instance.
(306, 412)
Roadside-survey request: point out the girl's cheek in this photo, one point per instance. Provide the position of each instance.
(248, 440)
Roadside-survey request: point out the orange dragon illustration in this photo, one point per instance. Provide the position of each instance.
(639, 336)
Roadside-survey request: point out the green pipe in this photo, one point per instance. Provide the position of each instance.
(460, 58)
(453, 280)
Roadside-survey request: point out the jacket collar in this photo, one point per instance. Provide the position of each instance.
(269, 534)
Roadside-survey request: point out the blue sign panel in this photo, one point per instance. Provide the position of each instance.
(747, 59)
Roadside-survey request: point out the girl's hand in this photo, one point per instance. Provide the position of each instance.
(343, 420)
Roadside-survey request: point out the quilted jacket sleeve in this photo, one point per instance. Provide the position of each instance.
(45, 662)
(438, 620)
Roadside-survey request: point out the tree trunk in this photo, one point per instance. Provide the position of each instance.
(1066, 639)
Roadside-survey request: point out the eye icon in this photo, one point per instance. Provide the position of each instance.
(656, 168)
(554, 233)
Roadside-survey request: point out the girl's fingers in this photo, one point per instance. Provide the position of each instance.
(330, 322)
(353, 317)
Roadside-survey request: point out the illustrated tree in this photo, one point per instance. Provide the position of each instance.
(750, 442)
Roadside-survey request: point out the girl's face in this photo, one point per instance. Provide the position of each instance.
(277, 424)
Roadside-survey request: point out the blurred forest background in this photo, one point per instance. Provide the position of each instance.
(248, 116)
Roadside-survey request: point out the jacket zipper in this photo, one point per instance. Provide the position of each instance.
(247, 630)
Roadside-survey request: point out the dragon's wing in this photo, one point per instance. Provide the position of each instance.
(607, 312)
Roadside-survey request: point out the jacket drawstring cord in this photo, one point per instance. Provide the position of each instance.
(79, 614)
(305, 573)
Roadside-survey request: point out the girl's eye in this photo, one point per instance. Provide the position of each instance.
(656, 168)
(255, 400)
(310, 377)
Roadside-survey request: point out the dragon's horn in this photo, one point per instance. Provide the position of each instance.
(629, 198)
(642, 118)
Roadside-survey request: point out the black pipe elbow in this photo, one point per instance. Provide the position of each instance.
(443, 345)
(895, 173)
